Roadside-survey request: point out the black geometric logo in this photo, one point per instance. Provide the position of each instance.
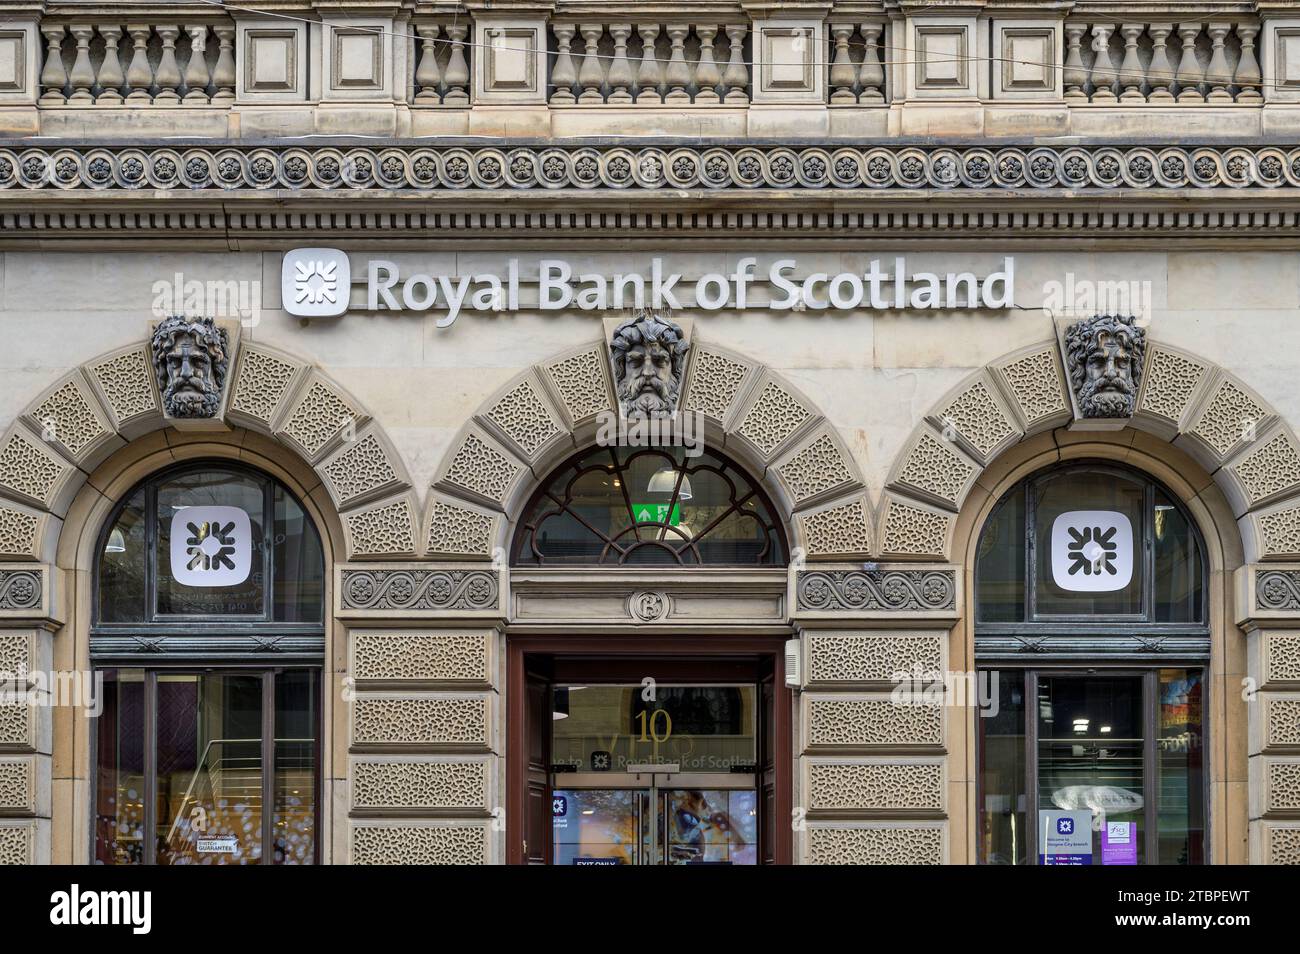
(210, 545)
(1091, 550)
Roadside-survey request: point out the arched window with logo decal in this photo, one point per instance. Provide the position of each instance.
(208, 633)
(1092, 644)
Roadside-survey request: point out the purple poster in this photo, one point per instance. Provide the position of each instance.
(1119, 843)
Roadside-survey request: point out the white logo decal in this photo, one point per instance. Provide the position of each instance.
(211, 546)
(1092, 551)
(314, 282)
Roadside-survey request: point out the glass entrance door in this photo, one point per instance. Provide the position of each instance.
(660, 818)
(654, 775)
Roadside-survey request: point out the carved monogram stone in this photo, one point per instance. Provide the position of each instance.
(1104, 358)
(419, 589)
(648, 606)
(648, 354)
(190, 359)
(889, 590)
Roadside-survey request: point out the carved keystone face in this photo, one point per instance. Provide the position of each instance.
(1104, 355)
(647, 353)
(190, 363)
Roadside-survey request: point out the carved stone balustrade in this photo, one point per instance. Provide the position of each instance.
(858, 53)
(442, 64)
(674, 64)
(138, 63)
(1135, 63)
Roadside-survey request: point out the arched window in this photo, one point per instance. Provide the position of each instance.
(637, 507)
(208, 633)
(1092, 641)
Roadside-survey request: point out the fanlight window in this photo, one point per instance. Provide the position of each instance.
(1090, 544)
(638, 507)
(210, 542)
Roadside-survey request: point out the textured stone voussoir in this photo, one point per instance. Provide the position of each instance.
(816, 470)
(263, 387)
(1173, 382)
(1265, 471)
(387, 529)
(523, 417)
(1226, 419)
(1033, 384)
(34, 474)
(479, 469)
(771, 419)
(124, 380)
(717, 382)
(69, 418)
(840, 529)
(975, 416)
(911, 530)
(363, 468)
(322, 416)
(458, 530)
(933, 468)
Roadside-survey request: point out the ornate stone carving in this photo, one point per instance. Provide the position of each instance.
(1229, 418)
(913, 531)
(429, 720)
(648, 606)
(419, 844)
(935, 469)
(29, 471)
(1277, 589)
(837, 530)
(523, 417)
(396, 655)
(715, 381)
(978, 419)
(881, 590)
(69, 417)
(21, 589)
(1270, 471)
(773, 417)
(579, 380)
(1171, 381)
(126, 382)
(878, 785)
(459, 531)
(17, 844)
(648, 354)
(1034, 384)
(1283, 785)
(1104, 358)
(17, 726)
(876, 845)
(190, 359)
(1284, 846)
(318, 418)
(387, 530)
(481, 469)
(18, 529)
(262, 383)
(1281, 658)
(426, 784)
(1282, 719)
(1279, 533)
(817, 468)
(361, 470)
(841, 720)
(17, 785)
(842, 658)
(419, 589)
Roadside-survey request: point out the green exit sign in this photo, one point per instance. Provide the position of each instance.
(657, 513)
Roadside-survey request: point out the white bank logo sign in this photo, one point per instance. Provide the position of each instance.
(317, 283)
(1092, 551)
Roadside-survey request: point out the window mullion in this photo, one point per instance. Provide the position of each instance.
(150, 856)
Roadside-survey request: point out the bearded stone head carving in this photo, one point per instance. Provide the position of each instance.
(190, 360)
(1104, 357)
(648, 353)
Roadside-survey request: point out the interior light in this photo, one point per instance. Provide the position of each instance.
(116, 542)
(589, 811)
(1104, 728)
(663, 480)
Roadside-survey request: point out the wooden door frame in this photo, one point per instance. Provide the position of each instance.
(624, 647)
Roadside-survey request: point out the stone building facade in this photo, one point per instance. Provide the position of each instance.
(170, 160)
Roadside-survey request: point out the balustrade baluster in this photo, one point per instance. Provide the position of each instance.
(591, 74)
(139, 75)
(678, 73)
(196, 70)
(1104, 77)
(1218, 75)
(1074, 74)
(456, 76)
(110, 77)
(707, 74)
(842, 73)
(736, 76)
(1160, 75)
(871, 76)
(563, 75)
(1130, 70)
(427, 75)
(53, 75)
(620, 68)
(168, 74)
(1189, 73)
(223, 73)
(1249, 78)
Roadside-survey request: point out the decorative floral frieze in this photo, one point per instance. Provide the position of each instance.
(1277, 589)
(423, 168)
(419, 589)
(882, 590)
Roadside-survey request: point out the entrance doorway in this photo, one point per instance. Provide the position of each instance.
(623, 753)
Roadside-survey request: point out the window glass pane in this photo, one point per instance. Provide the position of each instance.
(295, 767)
(1090, 755)
(1003, 837)
(1178, 571)
(299, 564)
(1181, 751)
(212, 545)
(209, 769)
(649, 507)
(1000, 590)
(122, 570)
(1088, 545)
(710, 827)
(119, 782)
